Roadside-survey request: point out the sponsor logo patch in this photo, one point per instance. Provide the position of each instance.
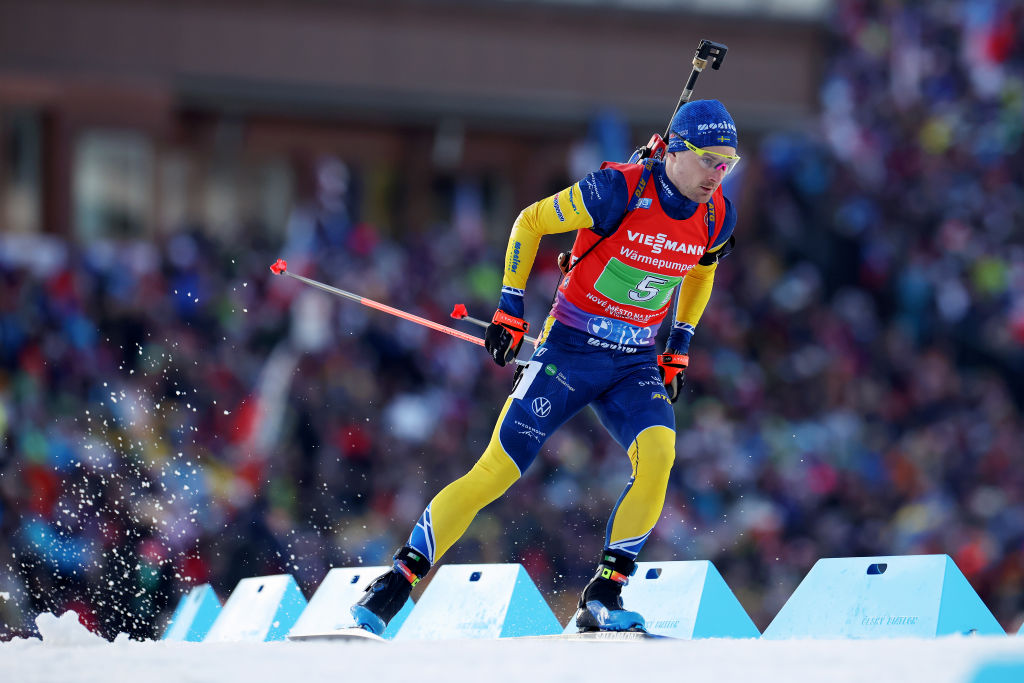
(716, 125)
(665, 187)
(560, 378)
(541, 406)
(656, 395)
(530, 431)
(599, 327)
(572, 202)
(661, 242)
(514, 260)
(644, 203)
(611, 347)
(558, 210)
(617, 330)
(634, 255)
(550, 369)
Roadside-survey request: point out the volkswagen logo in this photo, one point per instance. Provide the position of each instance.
(541, 406)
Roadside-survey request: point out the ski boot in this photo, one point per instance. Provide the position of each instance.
(600, 607)
(389, 591)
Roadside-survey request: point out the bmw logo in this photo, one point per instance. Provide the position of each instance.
(599, 327)
(541, 406)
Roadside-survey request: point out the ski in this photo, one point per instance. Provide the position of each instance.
(356, 633)
(351, 633)
(601, 635)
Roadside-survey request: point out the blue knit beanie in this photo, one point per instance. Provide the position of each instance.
(705, 123)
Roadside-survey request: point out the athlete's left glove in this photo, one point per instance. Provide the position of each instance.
(504, 336)
(671, 365)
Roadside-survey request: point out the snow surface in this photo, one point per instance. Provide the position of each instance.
(68, 652)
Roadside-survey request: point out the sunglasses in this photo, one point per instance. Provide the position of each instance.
(713, 161)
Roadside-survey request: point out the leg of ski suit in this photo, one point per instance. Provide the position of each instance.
(564, 375)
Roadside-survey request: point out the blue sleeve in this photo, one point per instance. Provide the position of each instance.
(511, 301)
(605, 195)
(728, 225)
(679, 338)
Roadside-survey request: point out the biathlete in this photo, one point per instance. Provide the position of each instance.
(642, 230)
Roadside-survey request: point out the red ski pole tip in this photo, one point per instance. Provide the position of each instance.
(279, 266)
(459, 311)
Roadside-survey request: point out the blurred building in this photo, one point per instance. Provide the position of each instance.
(132, 119)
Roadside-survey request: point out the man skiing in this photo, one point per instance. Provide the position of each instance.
(642, 230)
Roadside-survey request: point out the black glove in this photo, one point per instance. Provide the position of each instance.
(671, 365)
(710, 258)
(504, 336)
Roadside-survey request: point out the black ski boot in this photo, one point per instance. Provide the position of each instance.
(389, 591)
(600, 607)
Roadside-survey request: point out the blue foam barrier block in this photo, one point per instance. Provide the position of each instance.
(684, 600)
(194, 615)
(471, 601)
(341, 588)
(999, 671)
(259, 609)
(919, 596)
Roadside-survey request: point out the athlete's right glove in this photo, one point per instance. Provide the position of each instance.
(504, 336)
(671, 365)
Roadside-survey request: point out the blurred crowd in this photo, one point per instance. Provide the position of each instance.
(171, 413)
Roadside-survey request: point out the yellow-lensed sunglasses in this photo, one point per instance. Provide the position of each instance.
(713, 161)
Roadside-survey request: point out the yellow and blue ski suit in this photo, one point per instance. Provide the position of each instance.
(597, 344)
